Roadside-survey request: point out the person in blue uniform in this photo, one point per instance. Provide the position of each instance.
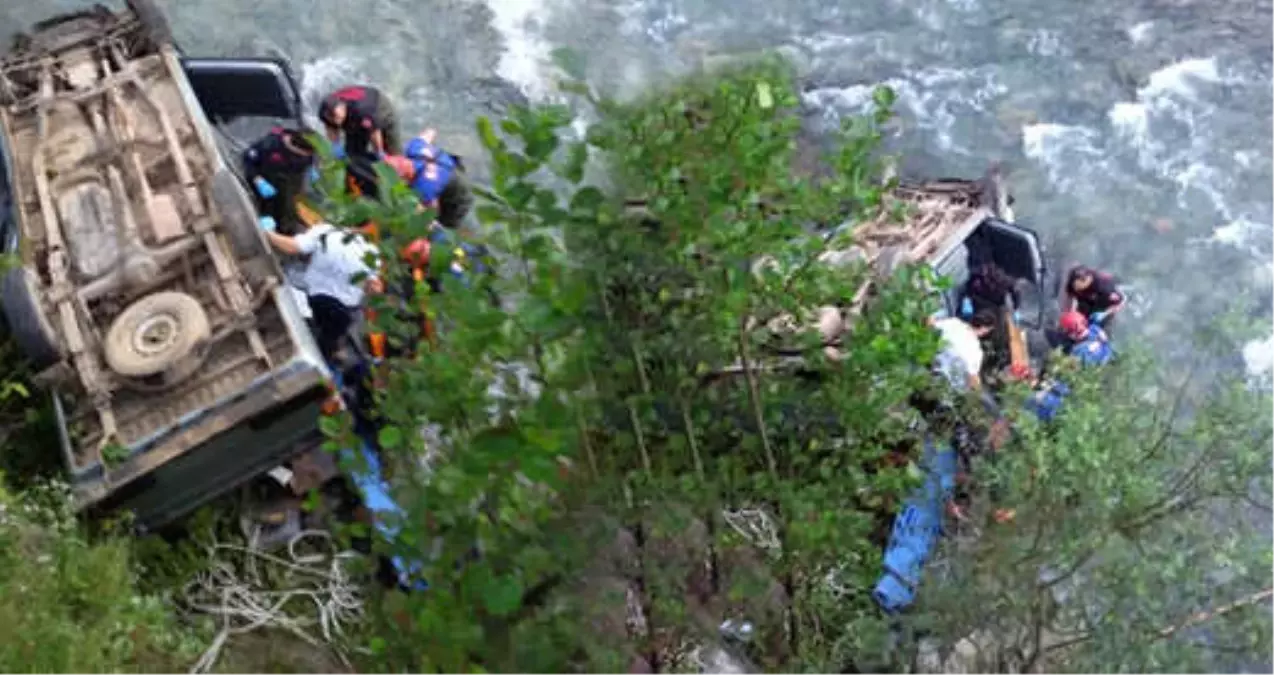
(437, 177)
(277, 167)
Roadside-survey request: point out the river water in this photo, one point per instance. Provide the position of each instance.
(1136, 135)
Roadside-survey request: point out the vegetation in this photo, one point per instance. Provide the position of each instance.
(1127, 538)
(69, 605)
(586, 490)
(618, 500)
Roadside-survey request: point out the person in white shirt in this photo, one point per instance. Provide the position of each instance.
(341, 270)
(961, 355)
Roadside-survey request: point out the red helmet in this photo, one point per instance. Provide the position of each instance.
(416, 253)
(403, 166)
(1074, 323)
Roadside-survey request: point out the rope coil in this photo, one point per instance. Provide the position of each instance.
(245, 599)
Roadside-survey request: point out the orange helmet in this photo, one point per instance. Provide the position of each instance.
(401, 165)
(416, 253)
(1073, 324)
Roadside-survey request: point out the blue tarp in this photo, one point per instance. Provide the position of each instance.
(1047, 403)
(371, 485)
(916, 530)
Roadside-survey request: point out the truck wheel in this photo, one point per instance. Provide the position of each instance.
(28, 324)
(63, 30)
(153, 19)
(155, 334)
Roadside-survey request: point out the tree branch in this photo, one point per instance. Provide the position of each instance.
(754, 395)
(1173, 414)
(1200, 617)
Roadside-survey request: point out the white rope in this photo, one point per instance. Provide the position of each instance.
(755, 526)
(251, 601)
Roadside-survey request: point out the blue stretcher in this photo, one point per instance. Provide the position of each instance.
(916, 530)
(369, 480)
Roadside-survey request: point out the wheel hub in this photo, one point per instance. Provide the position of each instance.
(156, 334)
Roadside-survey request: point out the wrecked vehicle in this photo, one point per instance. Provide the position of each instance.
(952, 226)
(143, 292)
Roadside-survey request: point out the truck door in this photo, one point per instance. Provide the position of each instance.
(1016, 250)
(231, 89)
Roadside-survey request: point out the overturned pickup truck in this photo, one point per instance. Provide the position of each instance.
(952, 226)
(144, 293)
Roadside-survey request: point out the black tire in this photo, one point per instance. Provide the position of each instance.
(63, 30)
(158, 30)
(28, 324)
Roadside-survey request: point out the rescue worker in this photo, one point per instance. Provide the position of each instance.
(961, 355)
(278, 166)
(1089, 343)
(988, 286)
(342, 269)
(362, 118)
(1093, 294)
(438, 179)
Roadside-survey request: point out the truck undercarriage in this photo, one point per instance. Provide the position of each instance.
(145, 292)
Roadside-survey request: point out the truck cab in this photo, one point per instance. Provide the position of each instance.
(179, 365)
(952, 226)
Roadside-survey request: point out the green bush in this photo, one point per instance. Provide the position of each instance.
(613, 432)
(595, 515)
(70, 605)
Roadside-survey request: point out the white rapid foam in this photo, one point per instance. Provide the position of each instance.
(656, 20)
(1180, 78)
(1258, 356)
(1141, 32)
(937, 99)
(1067, 153)
(527, 56)
(1170, 100)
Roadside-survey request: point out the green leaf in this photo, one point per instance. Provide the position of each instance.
(542, 144)
(574, 87)
(502, 595)
(331, 425)
(390, 437)
(487, 134)
(764, 95)
(577, 157)
(883, 96)
(587, 200)
(489, 214)
(511, 127)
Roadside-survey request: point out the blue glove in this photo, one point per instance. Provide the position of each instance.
(338, 150)
(1097, 317)
(966, 307)
(1017, 316)
(267, 223)
(313, 175)
(264, 188)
